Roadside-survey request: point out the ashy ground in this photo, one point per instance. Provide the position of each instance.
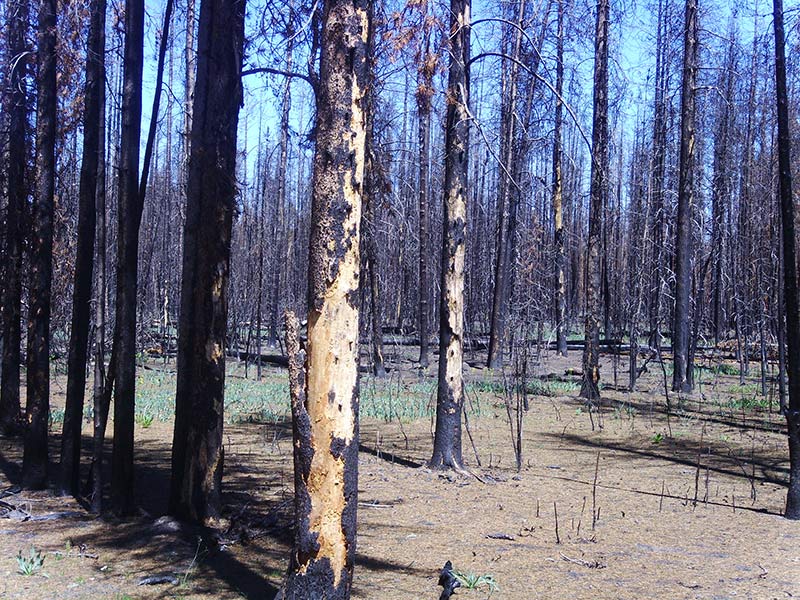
(626, 500)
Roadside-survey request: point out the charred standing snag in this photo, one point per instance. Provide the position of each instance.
(324, 377)
(789, 266)
(197, 452)
(37, 409)
(590, 388)
(450, 396)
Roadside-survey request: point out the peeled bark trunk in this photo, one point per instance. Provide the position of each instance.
(17, 198)
(197, 451)
(324, 378)
(590, 388)
(450, 393)
(789, 265)
(37, 410)
(682, 377)
(84, 259)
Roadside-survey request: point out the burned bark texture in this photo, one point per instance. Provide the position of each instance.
(37, 409)
(16, 200)
(590, 387)
(558, 195)
(69, 474)
(450, 392)
(682, 376)
(325, 392)
(197, 452)
(789, 265)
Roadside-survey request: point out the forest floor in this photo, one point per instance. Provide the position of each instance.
(627, 500)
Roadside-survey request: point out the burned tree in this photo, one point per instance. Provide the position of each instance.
(792, 305)
(682, 372)
(37, 409)
(590, 388)
(450, 394)
(324, 377)
(197, 453)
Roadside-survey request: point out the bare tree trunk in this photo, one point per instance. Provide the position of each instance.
(197, 451)
(590, 388)
(558, 196)
(508, 191)
(37, 409)
(789, 265)
(100, 413)
(325, 392)
(425, 73)
(17, 194)
(69, 476)
(450, 394)
(129, 213)
(682, 377)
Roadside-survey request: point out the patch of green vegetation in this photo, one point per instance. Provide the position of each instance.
(56, 417)
(535, 387)
(473, 581)
(657, 438)
(31, 564)
(725, 369)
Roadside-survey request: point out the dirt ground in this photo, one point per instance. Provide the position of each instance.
(622, 501)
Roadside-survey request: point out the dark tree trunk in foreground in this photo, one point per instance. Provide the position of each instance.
(129, 214)
(100, 416)
(590, 388)
(15, 179)
(789, 265)
(37, 410)
(84, 260)
(681, 376)
(426, 70)
(324, 379)
(197, 453)
(558, 195)
(450, 394)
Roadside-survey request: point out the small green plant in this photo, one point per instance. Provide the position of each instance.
(56, 417)
(144, 420)
(657, 438)
(31, 564)
(472, 581)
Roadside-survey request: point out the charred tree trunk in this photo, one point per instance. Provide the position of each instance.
(558, 195)
(69, 475)
(197, 452)
(789, 265)
(590, 388)
(17, 198)
(37, 409)
(425, 73)
(506, 206)
(450, 394)
(129, 214)
(325, 391)
(682, 377)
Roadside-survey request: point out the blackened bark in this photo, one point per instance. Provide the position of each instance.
(558, 196)
(84, 259)
(326, 422)
(681, 377)
(17, 195)
(129, 213)
(425, 72)
(450, 393)
(789, 265)
(506, 206)
(590, 388)
(37, 409)
(197, 455)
